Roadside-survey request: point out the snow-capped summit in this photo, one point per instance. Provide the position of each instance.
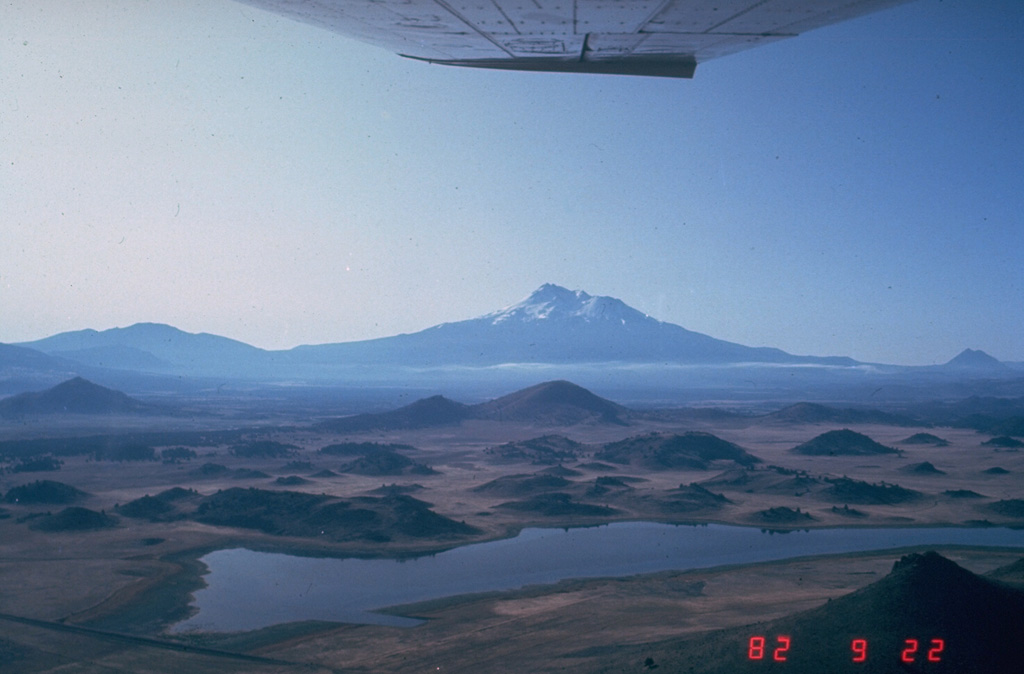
(553, 302)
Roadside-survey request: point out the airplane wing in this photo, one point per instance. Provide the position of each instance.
(663, 38)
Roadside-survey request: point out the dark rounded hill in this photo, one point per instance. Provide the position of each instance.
(925, 439)
(690, 451)
(522, 485)
(553, 402)
(842, 443)
(385, 462)
(290, 513)
(44, 491)
(547, 449)
(75, 396)
(1003, 441)
(74, 518)
(814, 413)
(425, 413)
(925, 597)
(923, 468)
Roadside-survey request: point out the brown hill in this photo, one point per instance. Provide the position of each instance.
(967, 623)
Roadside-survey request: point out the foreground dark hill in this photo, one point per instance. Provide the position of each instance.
(966, 623)
(559, 403)
(75, 396)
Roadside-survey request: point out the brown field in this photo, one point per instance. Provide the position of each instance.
(100, 600)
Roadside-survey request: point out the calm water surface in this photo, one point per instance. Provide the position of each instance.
(248, 590)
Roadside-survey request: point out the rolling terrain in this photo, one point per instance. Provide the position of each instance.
(127, 513)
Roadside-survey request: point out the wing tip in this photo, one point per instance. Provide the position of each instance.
(679, 68)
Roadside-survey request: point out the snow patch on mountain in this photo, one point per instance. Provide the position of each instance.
(551, 302)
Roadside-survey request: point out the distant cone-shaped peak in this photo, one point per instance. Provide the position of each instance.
(553, 302)
(975, 359)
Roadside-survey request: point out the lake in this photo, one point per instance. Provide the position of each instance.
(248, 590)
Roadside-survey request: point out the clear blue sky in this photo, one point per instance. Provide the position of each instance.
(857, 190)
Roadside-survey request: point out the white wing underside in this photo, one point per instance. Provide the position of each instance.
(665, 38)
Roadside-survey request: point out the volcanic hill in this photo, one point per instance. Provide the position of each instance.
(967, 623)
(554, 403)
(692, 450)
(842, 443)
(74, 396)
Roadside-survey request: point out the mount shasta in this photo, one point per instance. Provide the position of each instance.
(562, 332)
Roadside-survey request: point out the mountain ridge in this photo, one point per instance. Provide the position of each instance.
(553, 326)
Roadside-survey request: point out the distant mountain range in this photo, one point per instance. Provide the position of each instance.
(554, 327)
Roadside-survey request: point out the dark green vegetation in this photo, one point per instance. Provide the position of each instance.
(263, 449)
(360, 448)
(842, 443)
(547, 449)
(847, 511)
(1004, 441)
(771, 479)
(1013, 507)
(558, 504)
(782, 515)
(691, 498)
(91, 444)
(291, 481)
(289, 513)
(210, 470)
(846, 490)
(167, 506)
(962, 493)
(74, 518)
(385, 462)
(41, 465)
(125, 452)
(660, 451)
(925, 439)
(177, 454)
(523, 485)
(922, 468)
(44, 492)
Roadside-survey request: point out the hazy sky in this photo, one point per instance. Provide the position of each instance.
(857, 190)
